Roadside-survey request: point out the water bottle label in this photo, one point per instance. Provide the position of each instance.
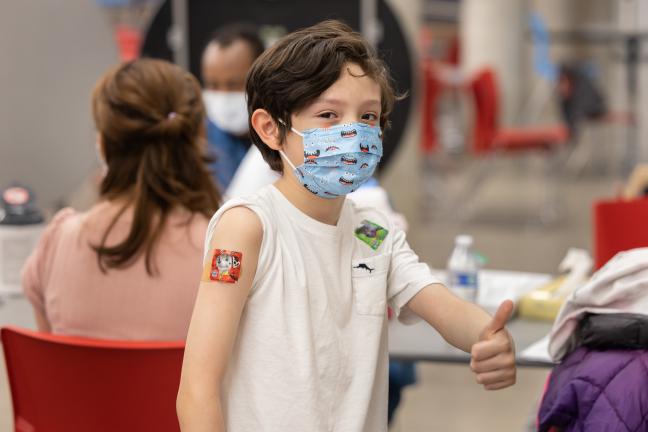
(464, 285)
(465, 280)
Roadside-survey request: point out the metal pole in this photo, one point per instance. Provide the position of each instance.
(178, 38)
(633, 46)
(370, 27)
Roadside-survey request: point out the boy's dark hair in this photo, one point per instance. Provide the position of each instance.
(301, 66)
(227, 35)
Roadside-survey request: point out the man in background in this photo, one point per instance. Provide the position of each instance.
(225, 63)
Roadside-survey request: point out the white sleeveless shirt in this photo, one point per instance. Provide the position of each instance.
(311, 352)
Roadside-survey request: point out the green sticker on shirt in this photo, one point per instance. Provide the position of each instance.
(371, 233)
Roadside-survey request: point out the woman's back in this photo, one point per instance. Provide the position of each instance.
(130, 267)
(64, 280)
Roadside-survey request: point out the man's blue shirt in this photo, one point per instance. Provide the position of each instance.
(229, 151)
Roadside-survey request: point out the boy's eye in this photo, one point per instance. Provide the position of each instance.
(327, 115)
(371, 117)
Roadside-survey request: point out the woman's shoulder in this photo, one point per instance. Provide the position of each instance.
(64, 214)
(63, 218)
(51, 236)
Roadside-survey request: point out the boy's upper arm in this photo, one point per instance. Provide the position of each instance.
(222, 294)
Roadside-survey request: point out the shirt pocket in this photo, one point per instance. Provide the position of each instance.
(369, 279)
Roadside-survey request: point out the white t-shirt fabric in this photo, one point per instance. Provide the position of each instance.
(311, 352)
(252, 174)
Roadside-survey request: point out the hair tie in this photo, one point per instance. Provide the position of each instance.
(172, 115)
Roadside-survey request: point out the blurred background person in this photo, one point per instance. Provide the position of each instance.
(129, 267)
(225, 63)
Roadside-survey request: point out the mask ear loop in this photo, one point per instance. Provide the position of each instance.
(291, 128)
(281, 152)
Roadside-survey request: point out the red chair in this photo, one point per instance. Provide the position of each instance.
(619, 226)
(69, 384)
(490, 140)
(488, 136)
(432, 89)
(433, 86)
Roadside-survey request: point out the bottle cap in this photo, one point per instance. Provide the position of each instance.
(464, 240)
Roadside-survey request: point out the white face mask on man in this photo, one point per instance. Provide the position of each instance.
(228, 110)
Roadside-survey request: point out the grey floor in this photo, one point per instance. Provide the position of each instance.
(505, 226)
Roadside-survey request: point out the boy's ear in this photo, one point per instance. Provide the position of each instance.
(267, 129)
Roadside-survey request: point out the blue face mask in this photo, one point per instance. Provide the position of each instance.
(337, 160)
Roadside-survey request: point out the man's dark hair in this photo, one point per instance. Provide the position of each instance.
(301, 66)
(227, 35)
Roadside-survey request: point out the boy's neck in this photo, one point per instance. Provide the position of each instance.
(323, 210)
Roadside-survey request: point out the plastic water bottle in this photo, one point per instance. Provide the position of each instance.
(463, 269)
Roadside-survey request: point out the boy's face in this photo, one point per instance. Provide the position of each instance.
(354, 97)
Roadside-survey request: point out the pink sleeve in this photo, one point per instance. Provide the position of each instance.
(36, 271)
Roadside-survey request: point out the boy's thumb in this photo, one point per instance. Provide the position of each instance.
(499, 320)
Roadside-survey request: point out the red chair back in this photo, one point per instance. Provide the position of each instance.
(619, 226)
(70, 384)
(432, 88)
(484, 90)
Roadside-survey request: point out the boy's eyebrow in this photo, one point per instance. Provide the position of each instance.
(371, 102)
(333, 101)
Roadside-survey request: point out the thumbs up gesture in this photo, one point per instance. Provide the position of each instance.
(493, 356)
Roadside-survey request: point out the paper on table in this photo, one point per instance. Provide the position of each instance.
(495, 286)
(538, 351)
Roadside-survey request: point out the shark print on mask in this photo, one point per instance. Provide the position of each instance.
(339, 159)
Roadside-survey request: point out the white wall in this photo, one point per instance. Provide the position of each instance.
(52, 52)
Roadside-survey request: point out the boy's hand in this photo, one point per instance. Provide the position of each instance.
(493, 357)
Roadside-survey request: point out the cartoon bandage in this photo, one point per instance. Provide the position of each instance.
(225, 266)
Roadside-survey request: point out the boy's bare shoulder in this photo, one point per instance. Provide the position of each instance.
(240, 222)
(240, 214)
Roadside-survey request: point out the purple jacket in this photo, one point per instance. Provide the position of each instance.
(597, 391)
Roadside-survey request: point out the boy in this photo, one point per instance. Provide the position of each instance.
(299, 341)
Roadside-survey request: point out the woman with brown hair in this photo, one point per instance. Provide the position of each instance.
(129, 267)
